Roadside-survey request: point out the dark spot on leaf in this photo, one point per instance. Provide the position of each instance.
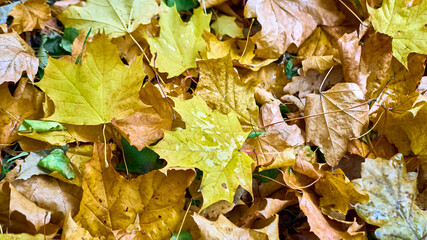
(100, 200)
(224, 185)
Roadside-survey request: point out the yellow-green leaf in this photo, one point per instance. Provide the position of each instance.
(226, 25)
(391, 203)
(220, 86)
(114, 17)
(94, 92)
(406, 25)
(179, 43)
(211, 143)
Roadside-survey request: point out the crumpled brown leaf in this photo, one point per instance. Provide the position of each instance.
(287, 22)
(31, 14)
(341, 115)
(16, 57)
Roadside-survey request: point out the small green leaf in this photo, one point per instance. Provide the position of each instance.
(255, 134)
(57, 161)
(67, 40)
(40, 126)
(140, 162)
(182, 5)
(271, 173)
(183, 235)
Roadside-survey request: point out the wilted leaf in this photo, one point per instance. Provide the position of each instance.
(31, 14)
(211, 143)
(341, 115)
(220, 86)
(40, 126)
(287, 22)
(224, 229)
(146, 127)
(179, 43)
(26, 103)
(337, 193)
(406, 25)
(16, 57)
(115, 18)
(226, 25)
(28, 167)
(110, 202)
(241, 51)
(94, 92)
(391, 205)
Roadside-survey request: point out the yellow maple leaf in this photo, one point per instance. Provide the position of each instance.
(406, 25)
(211, 143)
(94, 92)
(114, 17)
(220, 86)
(179, 43)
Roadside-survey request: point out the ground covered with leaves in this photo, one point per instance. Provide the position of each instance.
(218, 119)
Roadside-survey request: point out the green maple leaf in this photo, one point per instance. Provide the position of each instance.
(114, 17)
(211, 143)
(406, 25)
(94, 92)
(179, 43)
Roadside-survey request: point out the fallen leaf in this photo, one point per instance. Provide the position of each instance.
(115, 18)
(391, 206)
(241, 51)
(221, 87)
(211, 143)
(337, 193)
(16, 57)
(94, 92)
(341, 116)
(406, 25)
(26, 103)
(73, 231)
(179, 43)
(31, 14)
(226, 25)
(110, 202)
(146, 127)
(222, 228)
(284, 23)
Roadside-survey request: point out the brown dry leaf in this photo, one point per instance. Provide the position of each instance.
(71, 230)
(318, 52)
(40, 189)
(110, 202)
(396, 80)
(271, 150)
(241, 51)
(272, 78)
(337, 192)
(25, 104)
(287, 22)
(264, 208)
(221, 87)
(350, 53)
(26, 217)
(341, 115)
(146, 127)
(222, 228)
(403, 122)
(321, 225)
(16, 57)
(310, 82)
(31, 14)
(270, 115)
